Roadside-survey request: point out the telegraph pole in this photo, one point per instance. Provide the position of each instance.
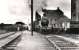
(32, 17)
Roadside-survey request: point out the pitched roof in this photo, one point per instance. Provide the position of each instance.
(58, 11)
(64, 19)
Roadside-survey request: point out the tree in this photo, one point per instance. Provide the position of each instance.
(2, 25)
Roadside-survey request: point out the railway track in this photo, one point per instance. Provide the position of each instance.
(61, 44)
(9, 40)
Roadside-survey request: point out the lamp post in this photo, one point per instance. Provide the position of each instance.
(32, 17)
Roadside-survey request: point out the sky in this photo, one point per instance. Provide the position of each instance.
(12, 11)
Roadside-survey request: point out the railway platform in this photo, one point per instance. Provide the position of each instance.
(35, 42)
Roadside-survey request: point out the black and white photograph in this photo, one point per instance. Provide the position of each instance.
(39, 24)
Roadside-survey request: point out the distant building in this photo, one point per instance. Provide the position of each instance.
(73, 10)
(75, 14)
(56, 18)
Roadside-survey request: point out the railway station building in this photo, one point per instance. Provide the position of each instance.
(56, 18)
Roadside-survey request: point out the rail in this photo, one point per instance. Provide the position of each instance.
(61, 44)
(8, 39)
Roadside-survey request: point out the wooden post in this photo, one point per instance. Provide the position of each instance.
(32, 17)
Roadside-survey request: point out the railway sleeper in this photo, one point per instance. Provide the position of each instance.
(69, 48)
(61, 44)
